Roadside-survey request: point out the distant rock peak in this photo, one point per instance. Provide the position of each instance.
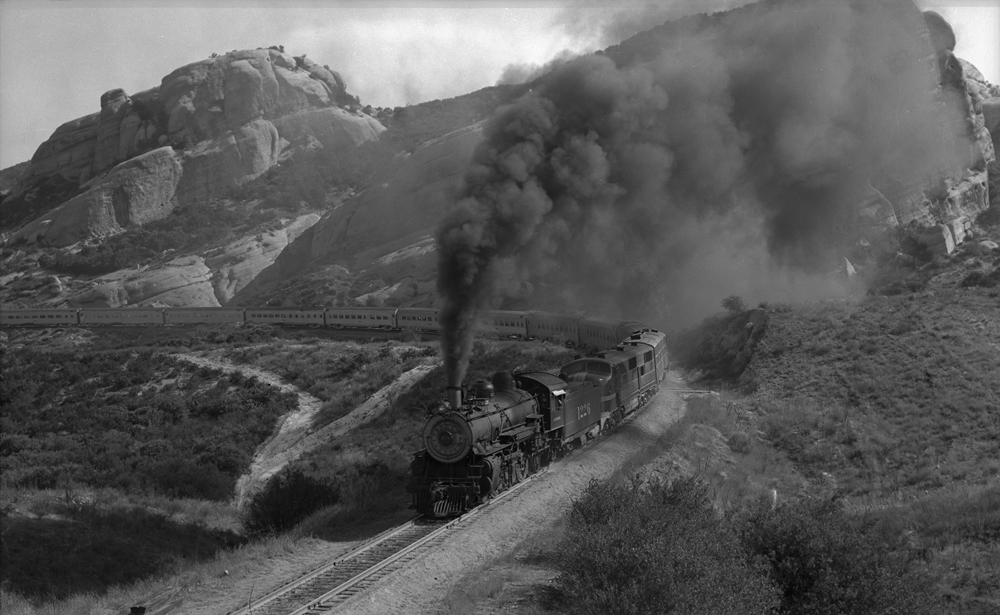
(228, 117)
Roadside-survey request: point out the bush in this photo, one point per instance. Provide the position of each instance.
(656, 549)
(721, 347)
(826, 562)
(734, 304)
(985, 280)
(287, 499)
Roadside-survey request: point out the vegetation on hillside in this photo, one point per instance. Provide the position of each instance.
(82, 548)
(849, 464)
(341, 374)
(658, 548)
(121, 458)
(45, 194)
(135, 421)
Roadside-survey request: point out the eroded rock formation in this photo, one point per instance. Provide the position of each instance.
(197, 280)
(228, 117)
(135, 192)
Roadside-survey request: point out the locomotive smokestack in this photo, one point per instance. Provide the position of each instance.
(454, 397)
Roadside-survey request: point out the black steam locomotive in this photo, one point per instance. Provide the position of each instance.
(493, 434)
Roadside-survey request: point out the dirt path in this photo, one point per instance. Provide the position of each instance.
(295, 435)
(537, 508)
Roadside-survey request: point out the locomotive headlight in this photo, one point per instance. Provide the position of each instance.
(448, 437)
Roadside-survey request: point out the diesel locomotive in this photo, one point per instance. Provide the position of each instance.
(491, 435)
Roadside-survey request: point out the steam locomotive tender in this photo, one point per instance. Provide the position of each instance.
(493, 434)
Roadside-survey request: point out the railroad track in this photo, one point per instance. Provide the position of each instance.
(336, 582)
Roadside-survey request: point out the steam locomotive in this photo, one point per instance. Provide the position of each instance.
(492, 434)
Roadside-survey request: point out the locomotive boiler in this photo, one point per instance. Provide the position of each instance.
(488, 438)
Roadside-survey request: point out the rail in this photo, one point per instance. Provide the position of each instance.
(335, 582)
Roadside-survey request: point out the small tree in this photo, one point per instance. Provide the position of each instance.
(734, 304)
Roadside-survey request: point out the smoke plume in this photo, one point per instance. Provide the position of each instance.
(714, 152)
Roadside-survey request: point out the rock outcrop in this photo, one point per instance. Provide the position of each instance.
(943, 206)
(135, 192)
(986, 97)
(230, 160)
(229, 117)
(209, 280)
(387, 229)
(183, 281)
(239, 263)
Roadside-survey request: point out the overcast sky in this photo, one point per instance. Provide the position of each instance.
(58, 57)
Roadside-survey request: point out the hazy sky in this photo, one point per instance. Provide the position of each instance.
(58, 57)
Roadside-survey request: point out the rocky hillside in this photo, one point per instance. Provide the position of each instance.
(210, 126)
(326, 201)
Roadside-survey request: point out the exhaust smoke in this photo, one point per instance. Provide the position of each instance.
(718, 152)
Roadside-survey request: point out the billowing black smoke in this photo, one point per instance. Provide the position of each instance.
(624, 180)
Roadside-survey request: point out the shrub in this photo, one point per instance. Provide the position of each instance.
(656, 549)
(824, 561)
(287, 498)
(721, 347)
(734, 304)
(985, 280)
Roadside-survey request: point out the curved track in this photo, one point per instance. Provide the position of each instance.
(321, 590)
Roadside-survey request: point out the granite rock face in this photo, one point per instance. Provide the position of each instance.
(236, 266)
(183, 281)
(209, 280)
(961, 193)
(135, 192)
(230, 160)
(228, 117)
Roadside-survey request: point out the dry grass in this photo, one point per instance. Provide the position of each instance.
(891, 403)
(892, 393)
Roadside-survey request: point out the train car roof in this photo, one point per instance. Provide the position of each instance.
(651, 337)
(287, 309)
(554, 384)
(620, 354)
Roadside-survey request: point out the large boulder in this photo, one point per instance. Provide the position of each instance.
(134, 193)
(227, 161)
(336, 129)
(938, 240)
